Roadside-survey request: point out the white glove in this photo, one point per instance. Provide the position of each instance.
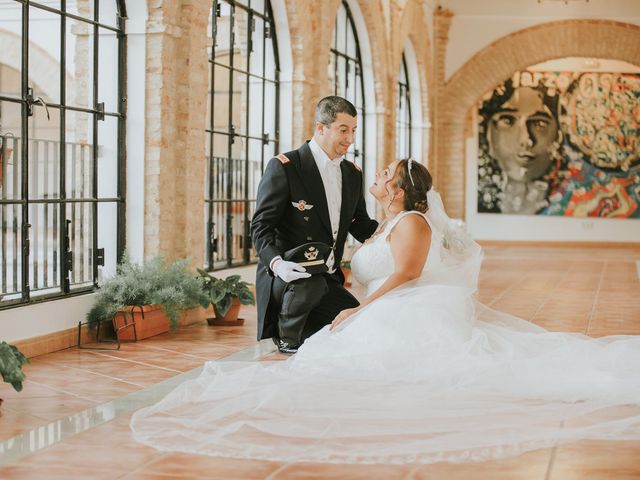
(289, 271)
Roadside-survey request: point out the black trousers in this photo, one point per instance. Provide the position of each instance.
(305, 306)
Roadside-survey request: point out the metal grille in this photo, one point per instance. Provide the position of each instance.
(61, 147)
(243, 124)
(403, 113)
(345, 74)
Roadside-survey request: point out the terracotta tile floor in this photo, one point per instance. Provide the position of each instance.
(589, 290)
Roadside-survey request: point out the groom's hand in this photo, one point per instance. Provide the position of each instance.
(289, 271)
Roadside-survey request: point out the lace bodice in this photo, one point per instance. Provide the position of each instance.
(372, 264)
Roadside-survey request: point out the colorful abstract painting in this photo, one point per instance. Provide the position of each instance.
(561, 143)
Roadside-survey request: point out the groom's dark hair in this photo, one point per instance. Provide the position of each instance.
(329, 107)
(415, 185)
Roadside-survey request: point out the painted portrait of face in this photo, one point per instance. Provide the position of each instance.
(522, 135)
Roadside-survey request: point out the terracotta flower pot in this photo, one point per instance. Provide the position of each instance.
(155, 322)
(347, 276)
(231, 318)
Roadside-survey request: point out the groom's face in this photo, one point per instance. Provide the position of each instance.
(336, 138)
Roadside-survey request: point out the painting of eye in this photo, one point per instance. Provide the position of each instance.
(505, 121)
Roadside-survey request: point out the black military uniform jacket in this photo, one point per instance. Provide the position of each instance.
(292, 209)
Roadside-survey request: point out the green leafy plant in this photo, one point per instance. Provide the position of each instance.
(220, 292)
(11, 361)
(153, 282)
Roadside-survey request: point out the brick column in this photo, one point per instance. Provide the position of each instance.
(439, 141)
(176, 110)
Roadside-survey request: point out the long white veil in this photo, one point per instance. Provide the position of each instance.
(425, 374)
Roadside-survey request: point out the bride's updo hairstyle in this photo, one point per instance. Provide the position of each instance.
(415, 183)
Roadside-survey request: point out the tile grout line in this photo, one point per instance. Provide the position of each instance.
(550, 465)
(277, 471)
(551, 293)
(137, 362)
(104, 376)
(160, 349)
(507, 290)
(596, 297)
(59, 390)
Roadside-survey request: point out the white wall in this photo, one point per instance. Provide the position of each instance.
(43, 318)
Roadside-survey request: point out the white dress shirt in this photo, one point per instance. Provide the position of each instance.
(332, 180)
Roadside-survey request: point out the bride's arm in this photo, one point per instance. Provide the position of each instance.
(410, 240)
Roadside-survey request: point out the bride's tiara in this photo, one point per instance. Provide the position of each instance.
(409, 162)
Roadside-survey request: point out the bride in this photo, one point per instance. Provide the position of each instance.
(421, 372)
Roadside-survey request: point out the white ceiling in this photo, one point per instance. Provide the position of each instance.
(546, 8)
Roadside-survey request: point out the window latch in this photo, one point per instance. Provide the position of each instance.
(31, 101)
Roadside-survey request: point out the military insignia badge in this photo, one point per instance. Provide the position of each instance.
(302, 205)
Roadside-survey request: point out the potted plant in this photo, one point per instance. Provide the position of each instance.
(11, 362)
(226, 296)
(345, 266)
(146, 299)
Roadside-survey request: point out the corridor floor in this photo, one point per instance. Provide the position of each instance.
(72, 418)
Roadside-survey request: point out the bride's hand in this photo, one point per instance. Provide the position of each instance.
(342, 316)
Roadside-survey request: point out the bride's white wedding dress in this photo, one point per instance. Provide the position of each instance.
(424, 374)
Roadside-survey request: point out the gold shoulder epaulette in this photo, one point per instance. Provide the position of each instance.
(283, 158)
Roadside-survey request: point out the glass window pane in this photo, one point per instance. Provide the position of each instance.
(108, 70)
(108, 13)
(79, 155)
(44, 154)
(10, 150)
(222, 48)
(107, 237)
(240, 106)
(108, 157)
(44, 254)
(80, 215)
(79, 63)
(241, 30)
(10, 82)
(11, 28)
(44, 54)
(220, 98)
(10, 252)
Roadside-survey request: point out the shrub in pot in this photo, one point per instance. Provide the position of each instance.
(151, 294)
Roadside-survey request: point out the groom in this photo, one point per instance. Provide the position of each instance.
(308, 195)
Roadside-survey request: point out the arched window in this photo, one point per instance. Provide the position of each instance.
(242, 128)
(61, 146)
(403, 113)
(345, 75)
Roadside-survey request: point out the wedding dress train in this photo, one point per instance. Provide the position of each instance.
(424, 374)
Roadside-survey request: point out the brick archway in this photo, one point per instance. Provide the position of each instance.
(490, 66)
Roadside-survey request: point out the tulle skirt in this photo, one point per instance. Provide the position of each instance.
(424, 374)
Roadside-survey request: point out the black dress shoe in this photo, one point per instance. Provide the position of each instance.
(285, 347)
